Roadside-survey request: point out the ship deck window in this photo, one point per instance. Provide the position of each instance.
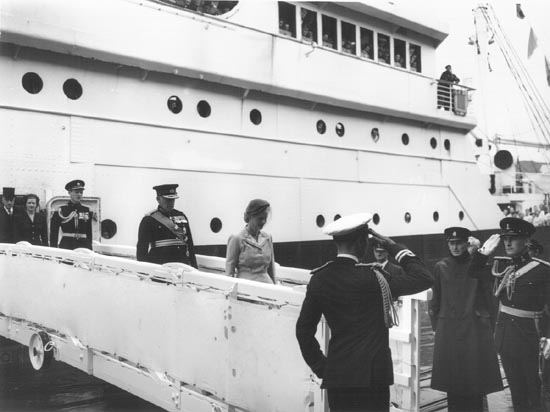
(32, 83)
(436, 216)
(215, 225)
(375, 134)
(399, 53)
(287, 19)
(309, 25)
(340, 129)
(255, 116)
(405, 138)
(337, 216)
(433, 142)
(383, 48)
(376, 218)
(72, 89)
(320, 221)
(348, 38)
(174, 104)
(108, 229)
(461, 215)
(367, 43)
(447, 144)
(321, 127)
(415, 60)
(203, 108)
(329, 32)
(408, 217)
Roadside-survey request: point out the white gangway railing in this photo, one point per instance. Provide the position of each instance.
(183, 339)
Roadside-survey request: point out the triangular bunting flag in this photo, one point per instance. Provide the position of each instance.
(519, 11)
(547, 71)
(532, 44)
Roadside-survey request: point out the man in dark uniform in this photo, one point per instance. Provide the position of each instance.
(356, 300)
(445, 86)
(74, 219)
(465, 363)
(164, 234)
(522, 285)
(381, 257)
(6, 215)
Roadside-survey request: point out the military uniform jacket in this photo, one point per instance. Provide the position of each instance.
(465, 360)
(515, 335)
(33, 231)
(6, 226)
(167, 240)
(350, 298)
(75, 221)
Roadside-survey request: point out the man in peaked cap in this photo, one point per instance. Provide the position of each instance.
(381, 256)
(356, 300)
(522, 286)
(6, 215)
(465, 363)
(164, 234)
(74, 219)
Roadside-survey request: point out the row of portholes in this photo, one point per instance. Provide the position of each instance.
(33, 84)
(109, 228)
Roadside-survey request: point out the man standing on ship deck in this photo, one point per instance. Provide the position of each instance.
(356, 300)
(465, 363)
(6, 215)
(74, 219)
(164, 234)
(522, 285)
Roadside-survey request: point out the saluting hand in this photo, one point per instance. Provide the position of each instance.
(473, 245)
(490, 245)
(383, 240)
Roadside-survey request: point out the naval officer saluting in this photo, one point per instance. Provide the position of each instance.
(74, 219)
(522, 285)
(356, 301)
(164, 234)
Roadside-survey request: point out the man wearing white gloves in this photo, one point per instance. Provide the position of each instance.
(522, 286)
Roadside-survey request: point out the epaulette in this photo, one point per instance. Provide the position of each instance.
(544, 262)
(151, 212)
(321, 267)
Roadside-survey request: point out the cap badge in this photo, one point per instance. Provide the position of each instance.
(454, 233)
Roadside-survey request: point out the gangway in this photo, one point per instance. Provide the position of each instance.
(183, 339)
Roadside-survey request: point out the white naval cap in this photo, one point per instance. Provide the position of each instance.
(347, 224)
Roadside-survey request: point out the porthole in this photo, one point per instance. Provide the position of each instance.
(375, 134)
(408, 217)
(32, 83)
(447, 144)
(215, 225)
(436, 216)
(405, 138)
(320, 221)
(108, 229)
(174, 104)
(433, 142)
(72, 89)
(461, 215)
(203, 108)
(255, 116)
(340, 130)
(336, 217)
(321, 127)
(376, 218)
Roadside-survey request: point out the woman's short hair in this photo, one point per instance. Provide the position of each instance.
(255, 207)
(32, 196)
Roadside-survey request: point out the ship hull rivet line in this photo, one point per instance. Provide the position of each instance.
(40, 350)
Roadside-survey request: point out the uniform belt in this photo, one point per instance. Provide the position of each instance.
(76, 235)
(167, 242)
(520, 313)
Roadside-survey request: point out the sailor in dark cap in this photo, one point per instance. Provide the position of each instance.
(164, 234)
(74, 219)
(6, 215)
(356, 301)
(522, 285)
(465, 363)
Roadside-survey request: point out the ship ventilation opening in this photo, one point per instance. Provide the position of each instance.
(447, 144)
(375, 134)
(203, 108)
(336, 217)
(72, 89)
(408, 217)
(321, 127)
(340, 129)
(32, 83)
(320, 221)
(433, 142)
(376, 218)
(461, 215)
(215, 225)
(108, 229)
(405, 139)
(174, 104)
(255, 116)
(436, 216)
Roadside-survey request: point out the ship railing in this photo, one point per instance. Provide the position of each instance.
(181, 338)
(453, 97)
